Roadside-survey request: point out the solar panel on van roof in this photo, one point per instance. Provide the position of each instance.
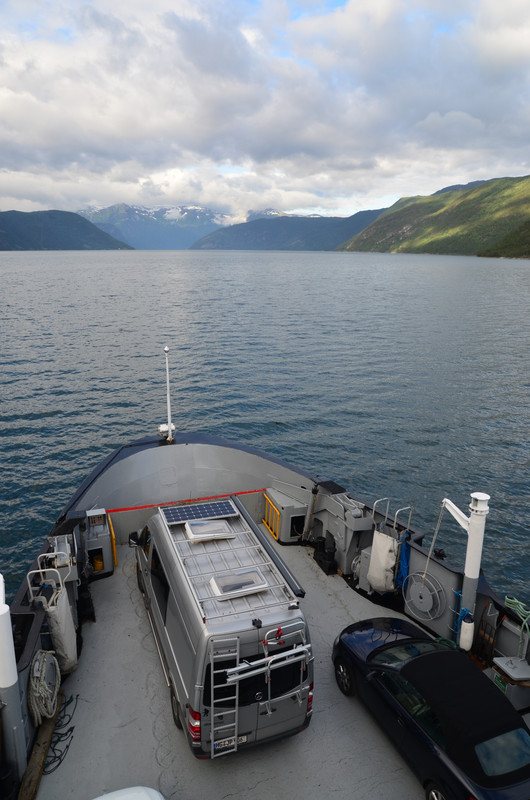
(215, 510)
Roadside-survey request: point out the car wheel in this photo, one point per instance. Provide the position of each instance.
(344, 677)
(433, 792)
(175, 708)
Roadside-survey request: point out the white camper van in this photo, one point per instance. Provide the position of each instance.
(234, 644)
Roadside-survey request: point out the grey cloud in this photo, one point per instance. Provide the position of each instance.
(360, 103)
(213, 46)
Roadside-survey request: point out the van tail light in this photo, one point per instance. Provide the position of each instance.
(310, 699)
(194, 724)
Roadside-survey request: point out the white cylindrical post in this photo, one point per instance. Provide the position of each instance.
(12, 723)
(477, 523)
(474, 527)
(8, 662)
(169, 431)
(475, 532)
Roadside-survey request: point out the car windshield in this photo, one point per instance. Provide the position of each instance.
(404, 651)
(505, 753)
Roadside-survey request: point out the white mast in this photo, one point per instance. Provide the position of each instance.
(169, 428)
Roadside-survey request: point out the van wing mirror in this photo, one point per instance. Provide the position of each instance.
(133, 539)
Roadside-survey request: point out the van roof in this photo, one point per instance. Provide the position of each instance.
(228, 570)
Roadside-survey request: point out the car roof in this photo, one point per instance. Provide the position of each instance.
(470, 707)
(468, 703)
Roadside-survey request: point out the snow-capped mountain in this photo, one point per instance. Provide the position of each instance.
(158, 228)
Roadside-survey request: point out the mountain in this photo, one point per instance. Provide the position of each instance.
(284, 232)
(52, 230)
(491, 218)
(459, 186)
(266, 212)
(161, 228)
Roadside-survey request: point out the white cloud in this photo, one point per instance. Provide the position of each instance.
(316, 104)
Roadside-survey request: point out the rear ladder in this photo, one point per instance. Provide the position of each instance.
(224, 720)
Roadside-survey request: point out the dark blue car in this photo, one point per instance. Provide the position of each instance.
(458, 731)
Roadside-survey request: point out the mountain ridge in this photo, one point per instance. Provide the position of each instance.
(287, 233)
(488, 218)
(479, 219)
(53, 230)
(157, 228)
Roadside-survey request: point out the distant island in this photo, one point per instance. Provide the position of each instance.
(484, 218)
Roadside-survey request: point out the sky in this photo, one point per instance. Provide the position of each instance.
(303, 106)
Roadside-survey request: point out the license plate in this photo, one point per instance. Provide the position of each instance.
(224, 743)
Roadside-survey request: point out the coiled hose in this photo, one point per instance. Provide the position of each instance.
(524, 614)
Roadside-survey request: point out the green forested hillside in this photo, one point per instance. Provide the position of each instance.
(52, 230)
(287, 233)
(515, 245)
(489, 219)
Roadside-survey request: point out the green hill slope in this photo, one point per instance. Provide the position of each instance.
(515, 245)
(53, 230)
(488, 219)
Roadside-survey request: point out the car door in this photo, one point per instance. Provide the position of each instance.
(399, 707)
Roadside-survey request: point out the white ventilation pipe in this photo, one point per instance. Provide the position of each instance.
(474, 525)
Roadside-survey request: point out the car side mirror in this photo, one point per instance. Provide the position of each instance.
(133, 539)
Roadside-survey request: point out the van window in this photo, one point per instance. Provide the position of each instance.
(159, 583)
(254, 689)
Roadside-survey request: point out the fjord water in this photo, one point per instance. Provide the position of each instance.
(398, 376)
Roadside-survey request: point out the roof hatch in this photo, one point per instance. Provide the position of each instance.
(237, 583)
(200, 530)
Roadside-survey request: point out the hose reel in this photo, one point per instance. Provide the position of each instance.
(424, 596)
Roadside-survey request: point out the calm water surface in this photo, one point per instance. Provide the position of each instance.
(398, 376)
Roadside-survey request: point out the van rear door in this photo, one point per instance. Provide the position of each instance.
(257, 697)
(276, 682)
(284, 707)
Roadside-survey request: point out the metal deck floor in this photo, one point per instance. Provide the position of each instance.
(124, 734)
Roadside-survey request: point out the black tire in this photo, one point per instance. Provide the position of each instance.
(175, 709)
(344, 677)
(433, 792)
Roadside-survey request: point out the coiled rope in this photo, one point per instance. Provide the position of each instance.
(42, 694)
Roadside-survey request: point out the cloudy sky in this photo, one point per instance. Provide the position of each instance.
(327, 106)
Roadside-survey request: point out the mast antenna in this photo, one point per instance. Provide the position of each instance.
(169, 427)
